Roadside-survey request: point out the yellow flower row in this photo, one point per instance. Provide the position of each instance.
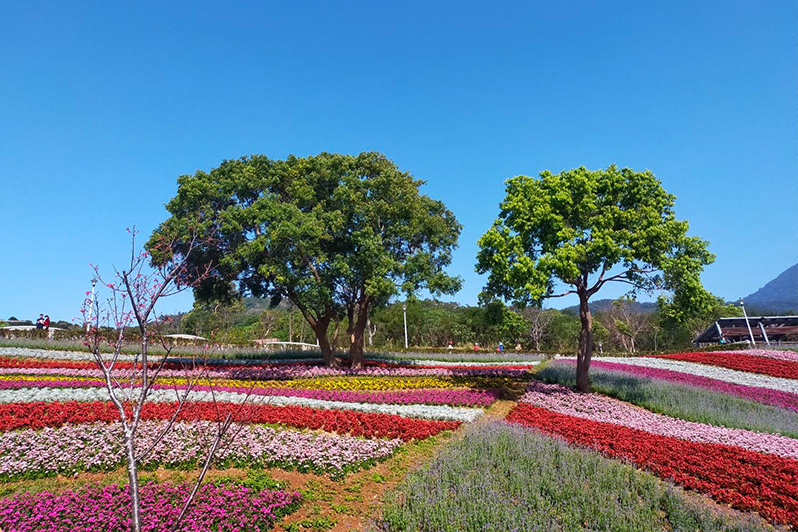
(45, 378)
(335, 383)
(325, 383)
(390, 383)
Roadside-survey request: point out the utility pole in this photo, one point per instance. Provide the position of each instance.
(91, 305)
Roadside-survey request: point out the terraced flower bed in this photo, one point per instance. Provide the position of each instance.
(56, 421)
(335, 445)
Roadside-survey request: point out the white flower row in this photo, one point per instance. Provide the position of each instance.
(438, 412)
(55, 354)
(85, 356)
(722, 374)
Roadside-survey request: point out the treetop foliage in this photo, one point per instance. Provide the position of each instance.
(585, 228)
(336, 234)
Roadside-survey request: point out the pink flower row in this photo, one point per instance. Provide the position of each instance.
(423, 396)
(280, 373)
(102, 508)
(598, 408)
(762, 395)
(778, 354)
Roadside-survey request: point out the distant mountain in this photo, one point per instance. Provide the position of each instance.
(779, 296)
(602, 305)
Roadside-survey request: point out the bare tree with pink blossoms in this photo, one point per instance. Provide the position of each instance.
(131, 302)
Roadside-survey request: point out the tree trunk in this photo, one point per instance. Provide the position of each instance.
(327, 354)
(372, 330)
(356, 352)
(585, 345)
(133, 481)
(320, 329)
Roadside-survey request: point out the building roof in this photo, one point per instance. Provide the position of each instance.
(776, 328)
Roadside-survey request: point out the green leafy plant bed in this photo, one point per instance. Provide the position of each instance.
(454, 356)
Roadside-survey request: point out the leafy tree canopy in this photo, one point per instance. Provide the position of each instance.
(583, 229)
(580, 226)
(336, 234)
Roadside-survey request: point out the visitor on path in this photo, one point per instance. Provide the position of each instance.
(46, 323)
(450, 346)
(476, 346)
(40, 322)
(500, 349)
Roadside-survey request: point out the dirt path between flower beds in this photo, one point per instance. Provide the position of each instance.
(374, 484)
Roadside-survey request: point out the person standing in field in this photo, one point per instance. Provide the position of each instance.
(46, 323)
(40, 322)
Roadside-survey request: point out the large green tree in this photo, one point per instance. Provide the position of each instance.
(579, 230)
(337, 235)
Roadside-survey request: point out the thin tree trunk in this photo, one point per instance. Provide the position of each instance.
(356, 353)
(371, 330)
(133, 481)
(585, 345)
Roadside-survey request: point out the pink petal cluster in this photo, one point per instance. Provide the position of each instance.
(778, 354)
(99, 446)
(100, 509)
(598, 408)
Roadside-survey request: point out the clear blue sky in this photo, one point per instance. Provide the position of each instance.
(103, 104)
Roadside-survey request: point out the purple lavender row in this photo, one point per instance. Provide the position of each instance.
(424, 396)
(761, 395)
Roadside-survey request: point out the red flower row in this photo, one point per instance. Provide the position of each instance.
(749, 363)
(371, 425)
(747, 480)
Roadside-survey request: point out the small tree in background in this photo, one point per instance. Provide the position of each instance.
(626, 325)
(539, 321)
(584, 229)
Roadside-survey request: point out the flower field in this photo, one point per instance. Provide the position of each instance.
(693, 423)
(766, 365)
(314, 448)
(307, 424)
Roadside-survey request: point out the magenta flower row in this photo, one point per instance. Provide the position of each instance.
(564, 400)
(287, 372)
(762, 395)
(97, 509)
(447, 396)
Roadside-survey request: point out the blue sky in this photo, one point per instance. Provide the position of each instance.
(103, 104)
